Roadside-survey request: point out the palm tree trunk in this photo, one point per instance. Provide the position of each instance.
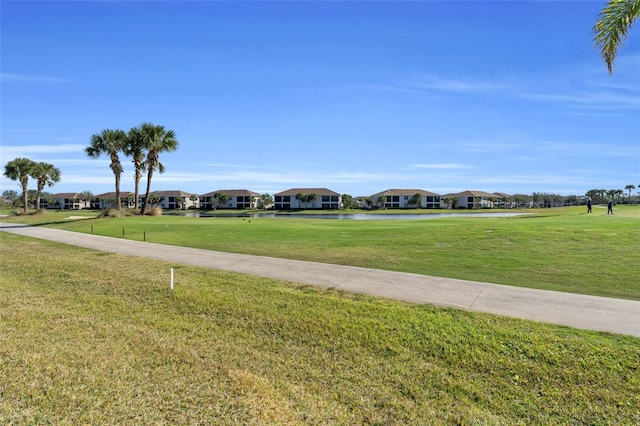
(38, 194)
(118, 198)
(25, 198)
(146, 196)
(136, 193)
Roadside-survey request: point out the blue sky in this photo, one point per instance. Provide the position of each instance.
(355, 96)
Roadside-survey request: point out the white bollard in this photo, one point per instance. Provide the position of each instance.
(171, 278)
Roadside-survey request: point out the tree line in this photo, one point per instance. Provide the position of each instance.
(143, 144)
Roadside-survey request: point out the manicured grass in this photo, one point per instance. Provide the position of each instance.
(556, 249)
(98, 338)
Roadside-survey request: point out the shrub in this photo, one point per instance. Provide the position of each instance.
(154, 211)
(117, 213)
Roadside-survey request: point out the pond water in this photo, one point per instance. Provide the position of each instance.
(350, 216)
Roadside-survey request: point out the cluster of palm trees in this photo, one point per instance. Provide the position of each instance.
(21, 169)
(143, 144)
(603, 195)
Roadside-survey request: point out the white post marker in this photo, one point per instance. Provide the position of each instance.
(171, 278)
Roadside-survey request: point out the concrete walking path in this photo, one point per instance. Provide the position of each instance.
(574, 310)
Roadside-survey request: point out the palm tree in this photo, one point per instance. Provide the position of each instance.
(46, 175)
(266, 201)
(20, 169)
(110, 142)
(629, 188)
(155, 140)
(135, 149)
(611, 28)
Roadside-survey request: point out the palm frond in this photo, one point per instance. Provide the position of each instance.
(612, 26)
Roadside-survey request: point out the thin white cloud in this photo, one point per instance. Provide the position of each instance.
(433, 82)
(574, 91)
(599, 100)
(14, 151)
(441, 166)
(25, 78)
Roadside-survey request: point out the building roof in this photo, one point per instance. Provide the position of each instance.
(173, 193)
(410, 192)
(61, 195)
(480, 194)
(232, 193)
(317, 191)
(123, 194)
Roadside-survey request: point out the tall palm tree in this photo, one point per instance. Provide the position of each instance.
(629, 188)
(611, 28)
(155, 140)
(109, 142)
(135, 149)
(20, 169)
(46, 175)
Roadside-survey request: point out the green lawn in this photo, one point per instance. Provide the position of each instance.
(88, 337)
(556, 249)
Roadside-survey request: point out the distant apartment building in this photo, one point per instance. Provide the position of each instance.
(307, 198)
(172, 200)
(406, 198)
(230, 199)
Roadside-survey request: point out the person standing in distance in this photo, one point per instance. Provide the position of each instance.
(610, 207)
(589, 205)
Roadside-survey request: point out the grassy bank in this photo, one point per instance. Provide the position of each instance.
(556, 249)
(93, 338)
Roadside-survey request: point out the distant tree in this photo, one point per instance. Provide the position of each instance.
(306, 198)
(347, 201)
(219, 199)
(476, 202)
(492, 200)
(194, 198)
(369, 202)
(629, 188)
(31, 197)
(572, 200)
(536, 197)
(611, 27)
(47, 197)
(382, 201)
(310, 198)
(619, 194)
(10, 197)
(45, 174)
(20, 169)
(109, 142)
(86, 197)
(154, 199)
(266, 200)
(416, 200)
(156, 140)
(449, 202)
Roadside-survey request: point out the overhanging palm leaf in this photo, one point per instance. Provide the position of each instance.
(612, 26)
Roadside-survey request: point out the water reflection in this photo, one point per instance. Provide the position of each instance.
(352, 216)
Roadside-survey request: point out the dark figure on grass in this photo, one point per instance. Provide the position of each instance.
(610, 207)
(589, 205)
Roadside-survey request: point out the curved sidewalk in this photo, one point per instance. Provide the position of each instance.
(574, 310)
